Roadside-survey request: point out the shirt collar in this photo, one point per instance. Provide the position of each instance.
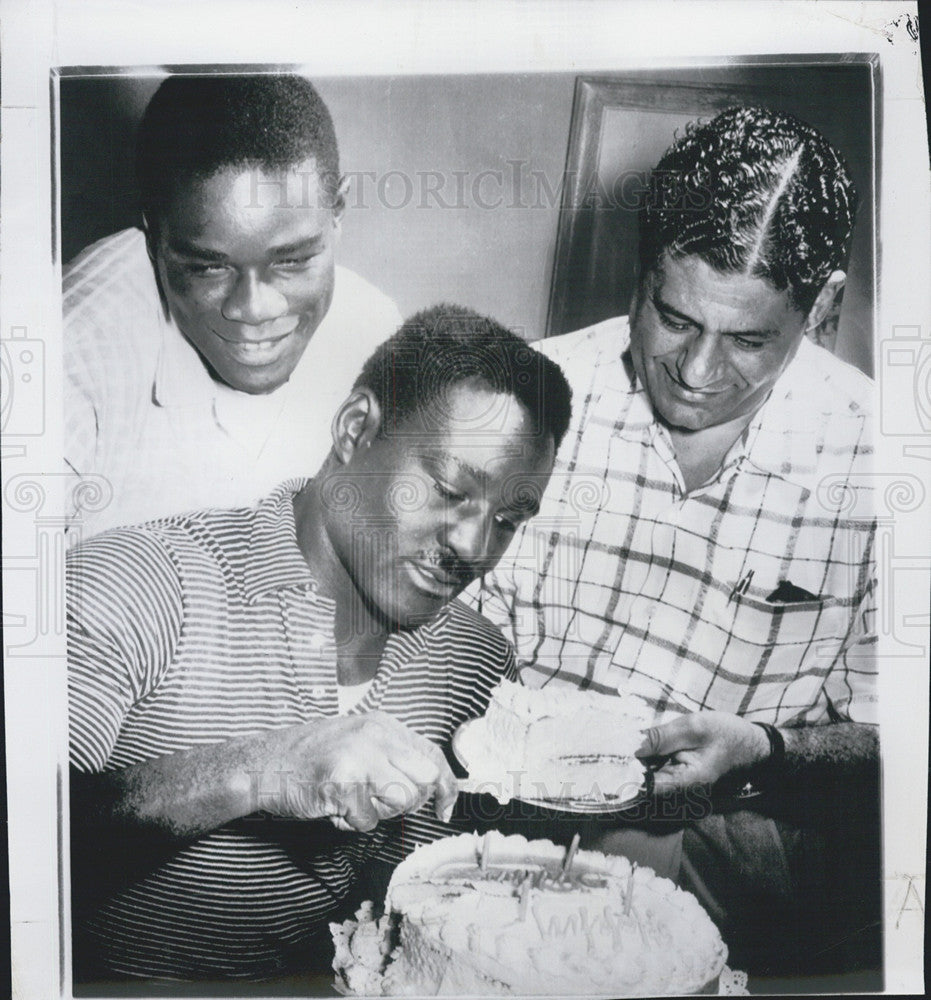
(785, 438)
(404, 644)
(639, 418)
(181, 377)
(275, 561)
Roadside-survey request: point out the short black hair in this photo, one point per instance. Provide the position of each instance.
(754, 192)
(198, 124)
(444, 345)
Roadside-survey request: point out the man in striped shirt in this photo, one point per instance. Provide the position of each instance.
(223, 322)
(259, 697)
(706, 541)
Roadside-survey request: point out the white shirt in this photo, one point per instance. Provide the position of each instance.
(151, 433)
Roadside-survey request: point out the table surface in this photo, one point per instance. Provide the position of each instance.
(309, 985)
(321, 985)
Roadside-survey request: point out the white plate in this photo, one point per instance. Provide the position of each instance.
(470, 735)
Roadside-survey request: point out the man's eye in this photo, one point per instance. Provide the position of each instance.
(294, 263)
(447, 492)
(673, 324)
(205, 269)
(749, 345)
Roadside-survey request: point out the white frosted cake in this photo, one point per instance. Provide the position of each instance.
(502, 915)
(557, 744)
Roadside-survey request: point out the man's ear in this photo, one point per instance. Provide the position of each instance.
(825, 300)
(356, 424)
(339, 201)
(634, 300)
(151, 247)
(639, 294)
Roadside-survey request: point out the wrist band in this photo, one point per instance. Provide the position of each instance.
(772, 767)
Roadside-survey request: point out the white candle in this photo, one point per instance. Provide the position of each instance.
(570, 854)
(525, 891)
(630, 890)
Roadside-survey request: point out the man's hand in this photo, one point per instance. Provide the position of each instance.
(357, 770)
(353, 770)
(702, 748)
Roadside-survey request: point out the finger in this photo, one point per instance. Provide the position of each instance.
(661, 741)
(363, 822)
(666, 781)
(444, 784)
(433, 775)
(422, 762)
(681, 776)
(386, 782)
(351, 819)
(349, 801)
(363, 815)
(397, 796)
(418, 764)
(447, 793)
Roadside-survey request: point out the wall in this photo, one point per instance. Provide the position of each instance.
(435, 212)
(456, 181)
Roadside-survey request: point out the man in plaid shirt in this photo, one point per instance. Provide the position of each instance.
(706, 542)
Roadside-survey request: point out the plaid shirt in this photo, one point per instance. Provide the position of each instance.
(206, 627)
(752, 594)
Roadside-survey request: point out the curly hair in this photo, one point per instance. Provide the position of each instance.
(754, 192)
(445, 345)
(195, 125)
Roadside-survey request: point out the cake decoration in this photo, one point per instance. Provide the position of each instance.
(499, 915)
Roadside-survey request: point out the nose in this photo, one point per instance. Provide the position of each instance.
(253, 301)
(468, 538)
(698, 365)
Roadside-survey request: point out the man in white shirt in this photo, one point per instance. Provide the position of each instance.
(206, 352)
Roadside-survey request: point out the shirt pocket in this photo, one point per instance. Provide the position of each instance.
(820, 624)
(772, 660)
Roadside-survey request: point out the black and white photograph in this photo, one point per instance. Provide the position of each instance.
(468, 512)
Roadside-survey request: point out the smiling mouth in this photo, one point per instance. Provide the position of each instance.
(687, 392)
(255, 344)
(254, 351)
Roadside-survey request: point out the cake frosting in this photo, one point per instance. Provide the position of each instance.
(498, 915)
(555, 744)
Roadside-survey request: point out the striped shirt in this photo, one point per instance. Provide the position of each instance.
(206, 627)
(142, 411)
(753, 594)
